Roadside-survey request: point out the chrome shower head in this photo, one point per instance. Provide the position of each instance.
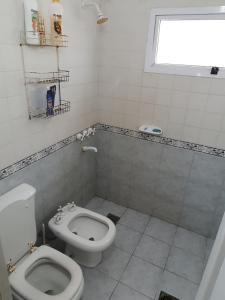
(101, 18)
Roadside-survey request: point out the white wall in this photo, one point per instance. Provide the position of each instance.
(187, 108)
(20, 137)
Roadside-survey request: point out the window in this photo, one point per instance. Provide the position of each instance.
(188, 41)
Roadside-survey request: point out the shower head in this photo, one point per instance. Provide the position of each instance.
(101, 18)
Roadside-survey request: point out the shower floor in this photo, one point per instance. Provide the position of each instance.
(148, 256)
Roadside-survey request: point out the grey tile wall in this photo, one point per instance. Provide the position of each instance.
(66, 175)
(177, 185)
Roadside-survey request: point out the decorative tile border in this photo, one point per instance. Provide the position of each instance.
(163, 140)
(127, 132)
(37, 156)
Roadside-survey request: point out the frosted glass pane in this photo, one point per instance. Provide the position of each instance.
(192, 42)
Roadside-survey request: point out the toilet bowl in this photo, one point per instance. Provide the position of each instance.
(47, 274)
(86, 233)
(34, 273)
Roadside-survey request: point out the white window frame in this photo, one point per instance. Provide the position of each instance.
(192, 13)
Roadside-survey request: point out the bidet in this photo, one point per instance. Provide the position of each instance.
(86, 234)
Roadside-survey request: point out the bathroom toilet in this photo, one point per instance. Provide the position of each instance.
(86, 233)
(34, 273)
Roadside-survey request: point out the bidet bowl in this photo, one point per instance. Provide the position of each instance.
(86, 233)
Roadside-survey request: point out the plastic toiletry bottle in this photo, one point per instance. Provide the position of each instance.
(57, 22)
(50, 102)
(41, 29)
(53, 90)
(31, 22)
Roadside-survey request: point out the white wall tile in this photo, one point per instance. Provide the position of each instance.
(149, 94)
(185, 107)
(177, 115)
(179, 99)
(163, 97)
(19, 136)
(197, 101)
(216, 104)
(194, 118)
(212, 121)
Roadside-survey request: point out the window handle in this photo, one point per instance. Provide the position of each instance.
(215, 70)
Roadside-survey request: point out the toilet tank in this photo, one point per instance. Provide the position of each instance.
(17, 222)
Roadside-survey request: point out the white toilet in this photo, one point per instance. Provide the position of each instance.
(86, 233)
(34, 274)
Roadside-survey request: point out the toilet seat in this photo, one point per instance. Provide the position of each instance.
(25, 290)
(68, 236)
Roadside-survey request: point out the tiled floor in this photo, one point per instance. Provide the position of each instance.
(148, 256)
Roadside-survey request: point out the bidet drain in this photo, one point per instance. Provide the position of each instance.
(50, 292)
(92, 239)
(75, 233)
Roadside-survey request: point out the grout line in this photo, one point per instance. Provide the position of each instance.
(132, 255)
(155, 238)
(149, 262)
(136, 291)
(197, 284)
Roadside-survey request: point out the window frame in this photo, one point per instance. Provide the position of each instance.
(192, 13)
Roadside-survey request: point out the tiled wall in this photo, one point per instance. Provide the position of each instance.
(177, 185)
(187, 108)
(19, 136)
(64, 176)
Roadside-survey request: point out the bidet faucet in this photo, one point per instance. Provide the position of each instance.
(72, 206)
(60, 209)
(58, 218)
(90, 149)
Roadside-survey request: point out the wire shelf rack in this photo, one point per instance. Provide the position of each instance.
(47, 78)
(43, 39)
(62, 108)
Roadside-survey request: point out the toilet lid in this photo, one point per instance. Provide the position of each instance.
(24, 289)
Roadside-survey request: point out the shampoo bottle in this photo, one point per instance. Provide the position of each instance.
(31, 22)
(56, 22)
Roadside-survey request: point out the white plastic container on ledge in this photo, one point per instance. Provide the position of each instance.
(151, 129)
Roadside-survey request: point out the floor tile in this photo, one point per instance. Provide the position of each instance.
(114, 262)
(185, 264)
(105, 207)
(123, 292)
(190, 241)
(161, 230)
(177, 286)
(95, 204)
(97, 285)
(142, 276)
(152, 250)
(126, 238)
(135, 220)
(113, 208)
